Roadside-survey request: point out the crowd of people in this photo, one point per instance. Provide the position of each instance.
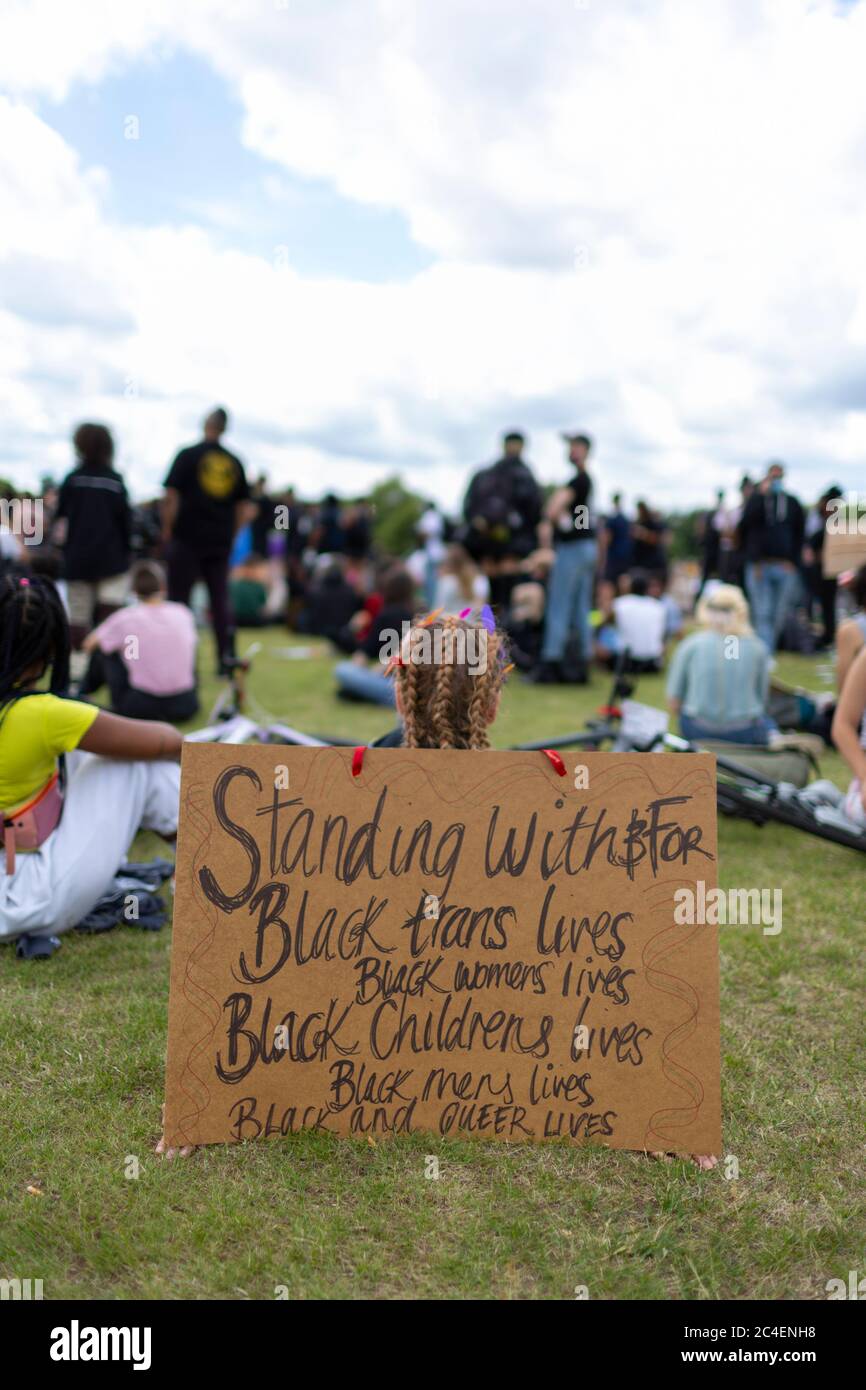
(115, 594)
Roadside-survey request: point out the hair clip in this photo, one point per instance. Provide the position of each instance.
(425, 622)
(465, 613)
(507, 669)
(393, 664)
(487, 618)
(24, 583)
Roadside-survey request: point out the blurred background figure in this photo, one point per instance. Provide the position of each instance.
(771, 534)
(502, 509)
(363, 678)
(820, 588)
(567, 648)
(460, 583)
(650, 538)
(147, 651)
(618, 557)
(206, 504)
(93, 526)
(719, 678)
(640, 622)
(249, 584)
(712, 524)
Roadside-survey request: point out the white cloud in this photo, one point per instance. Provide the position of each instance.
(647, 219)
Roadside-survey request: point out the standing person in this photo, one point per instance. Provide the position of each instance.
(619, 546)
(330, 537)
(712, 525)
(650, 537)
(822, 589)
(94, 526)
(205, 505)
(771, 532)
(735, 564)
(567, 647)
(502, 510)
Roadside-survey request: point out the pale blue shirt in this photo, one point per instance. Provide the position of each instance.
(720, 680)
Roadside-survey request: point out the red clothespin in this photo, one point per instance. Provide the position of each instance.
(554, 757)
(358, 759)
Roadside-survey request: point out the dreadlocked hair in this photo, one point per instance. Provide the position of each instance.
(449, 676)
(33, 633)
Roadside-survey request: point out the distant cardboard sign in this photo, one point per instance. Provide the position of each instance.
(843, 550)
(457, 943)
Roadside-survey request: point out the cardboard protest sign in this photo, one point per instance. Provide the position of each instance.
(843, 550)
(451, 942)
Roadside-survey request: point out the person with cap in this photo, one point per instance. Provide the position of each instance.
(567, 645)
(206, 503)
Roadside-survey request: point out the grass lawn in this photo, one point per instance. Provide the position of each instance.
(82, 1044)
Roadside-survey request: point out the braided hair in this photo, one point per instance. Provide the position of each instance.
(446, 700)
(34, 632)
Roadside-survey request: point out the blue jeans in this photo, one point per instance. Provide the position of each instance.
(772, 590)
(756, 732)
(363, 683)
(569, 599)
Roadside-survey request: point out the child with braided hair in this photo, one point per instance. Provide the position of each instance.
(76, 783)
(448, 679)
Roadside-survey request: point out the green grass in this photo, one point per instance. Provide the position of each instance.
(82, 1041)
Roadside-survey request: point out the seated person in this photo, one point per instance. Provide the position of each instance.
(330, 601)
(524, 624)
(640, 623)
(851, 634)
(849, 736)
(248, 591)
(355, 680)
(719, 677)
(460, 583)
(76, 783)
(673, 612)
(148, 651)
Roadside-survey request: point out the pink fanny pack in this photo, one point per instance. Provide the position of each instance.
(30, 827)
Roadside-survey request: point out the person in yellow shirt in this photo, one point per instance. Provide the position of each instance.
(91, 779)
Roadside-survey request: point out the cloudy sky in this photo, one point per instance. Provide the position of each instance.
(381, 231)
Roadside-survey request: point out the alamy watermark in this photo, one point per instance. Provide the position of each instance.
(23, 516)
(846, 516)
(20, 1290)
(732, 907)
(436, 646)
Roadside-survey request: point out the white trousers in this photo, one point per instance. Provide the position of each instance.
(107, 802)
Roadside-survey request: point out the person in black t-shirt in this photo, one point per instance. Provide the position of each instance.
(206, 503)
(93, 525)
(567, 647)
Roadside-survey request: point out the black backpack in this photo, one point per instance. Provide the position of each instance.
(505, 499)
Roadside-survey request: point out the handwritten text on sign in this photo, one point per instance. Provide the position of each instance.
(460, 943)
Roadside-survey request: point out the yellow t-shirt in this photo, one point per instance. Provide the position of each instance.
(33, 732)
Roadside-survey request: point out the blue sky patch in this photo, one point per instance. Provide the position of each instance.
(188, 166)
